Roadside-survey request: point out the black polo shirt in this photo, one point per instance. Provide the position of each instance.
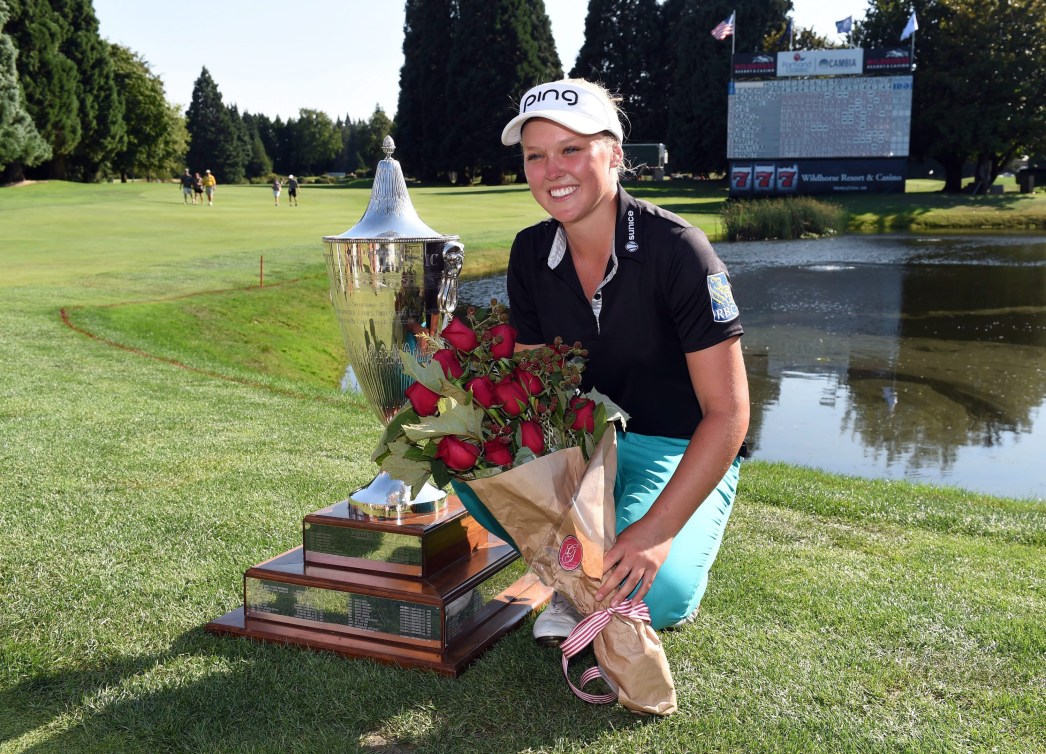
(670, 296)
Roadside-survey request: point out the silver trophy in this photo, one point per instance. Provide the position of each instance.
(393, 284)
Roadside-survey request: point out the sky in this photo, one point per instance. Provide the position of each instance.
(341, 57)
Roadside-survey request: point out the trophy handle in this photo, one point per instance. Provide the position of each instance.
(453, 257)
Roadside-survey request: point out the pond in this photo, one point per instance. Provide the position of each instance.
(896, 356)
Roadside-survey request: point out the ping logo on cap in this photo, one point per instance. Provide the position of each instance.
(567, 96)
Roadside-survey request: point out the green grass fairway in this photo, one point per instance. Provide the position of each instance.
(176, 434)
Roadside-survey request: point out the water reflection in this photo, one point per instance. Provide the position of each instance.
(895, 356)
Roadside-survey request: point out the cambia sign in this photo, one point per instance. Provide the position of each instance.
(821, 62)
(848, 62)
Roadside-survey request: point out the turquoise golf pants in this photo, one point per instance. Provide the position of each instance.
(644, 466)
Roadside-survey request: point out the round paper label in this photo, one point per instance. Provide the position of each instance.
(570, 553)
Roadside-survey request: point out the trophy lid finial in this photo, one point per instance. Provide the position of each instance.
(390, 215)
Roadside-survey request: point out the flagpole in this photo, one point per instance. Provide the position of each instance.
(733, 37)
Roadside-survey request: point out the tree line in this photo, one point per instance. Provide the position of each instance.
(74, 106)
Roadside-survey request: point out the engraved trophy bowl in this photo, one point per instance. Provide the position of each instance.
(393, 284)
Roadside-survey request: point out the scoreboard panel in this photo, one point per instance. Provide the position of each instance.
(819, 121)
(811, 118)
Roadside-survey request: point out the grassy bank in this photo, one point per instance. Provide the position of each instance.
(138, 482)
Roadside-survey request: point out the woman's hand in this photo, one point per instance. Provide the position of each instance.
(633, 562)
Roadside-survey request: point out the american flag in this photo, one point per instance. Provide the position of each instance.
(725, 28)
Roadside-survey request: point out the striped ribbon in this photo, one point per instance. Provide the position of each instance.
(583, 635)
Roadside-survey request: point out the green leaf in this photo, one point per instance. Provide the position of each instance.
(440, 474)
(393, 430)
(588, 446)
(416, 454)
(459, 394)
(454, 418)
(614, 411)
(599, 422)
(409, 472)
(523, 455)
(430, 375)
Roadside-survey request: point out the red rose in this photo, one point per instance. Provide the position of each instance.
(532, 437)
(422, 399)
(497, 452)
(504, 349)
(460, 335)
(482, 390)
(448, 359)
(583, 409)
(456, 453)
(530, 381)
(510, 394)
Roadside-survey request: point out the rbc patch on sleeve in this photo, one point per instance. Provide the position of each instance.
(723, 307)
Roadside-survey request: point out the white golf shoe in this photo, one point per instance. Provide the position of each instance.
(556, 622)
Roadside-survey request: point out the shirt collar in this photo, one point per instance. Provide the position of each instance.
(625, 244)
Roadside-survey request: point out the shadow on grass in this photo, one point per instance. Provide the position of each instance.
(208, 693)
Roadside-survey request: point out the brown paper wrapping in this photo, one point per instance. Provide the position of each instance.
(545, 501)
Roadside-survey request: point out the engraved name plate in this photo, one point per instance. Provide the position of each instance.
(341, 608)
(384, 547)
(476, 603)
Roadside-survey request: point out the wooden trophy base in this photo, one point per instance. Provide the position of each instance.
(429, 590)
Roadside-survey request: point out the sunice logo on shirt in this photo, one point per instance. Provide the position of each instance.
(631, 246)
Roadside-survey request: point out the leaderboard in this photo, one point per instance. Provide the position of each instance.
(821, 121)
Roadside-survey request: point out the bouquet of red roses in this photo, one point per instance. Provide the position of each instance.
(517, 437)
(476, 408)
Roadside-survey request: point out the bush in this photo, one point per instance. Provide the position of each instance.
(788, 218)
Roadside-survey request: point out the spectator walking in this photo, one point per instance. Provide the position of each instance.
(208, 186)
(187, 182)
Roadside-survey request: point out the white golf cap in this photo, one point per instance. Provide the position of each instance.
(570, 105)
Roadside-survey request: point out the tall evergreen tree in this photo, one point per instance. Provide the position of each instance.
(206, 121)
(422, 107)
(271, 132)
(697, 112)
(101, 107)
(235, 150)
(481, 98)
(349, 159)
(622, 45)
(218, 139)
(156, 137)
(378, 127)
(20, 142)
(259, 164)
(48, 77)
